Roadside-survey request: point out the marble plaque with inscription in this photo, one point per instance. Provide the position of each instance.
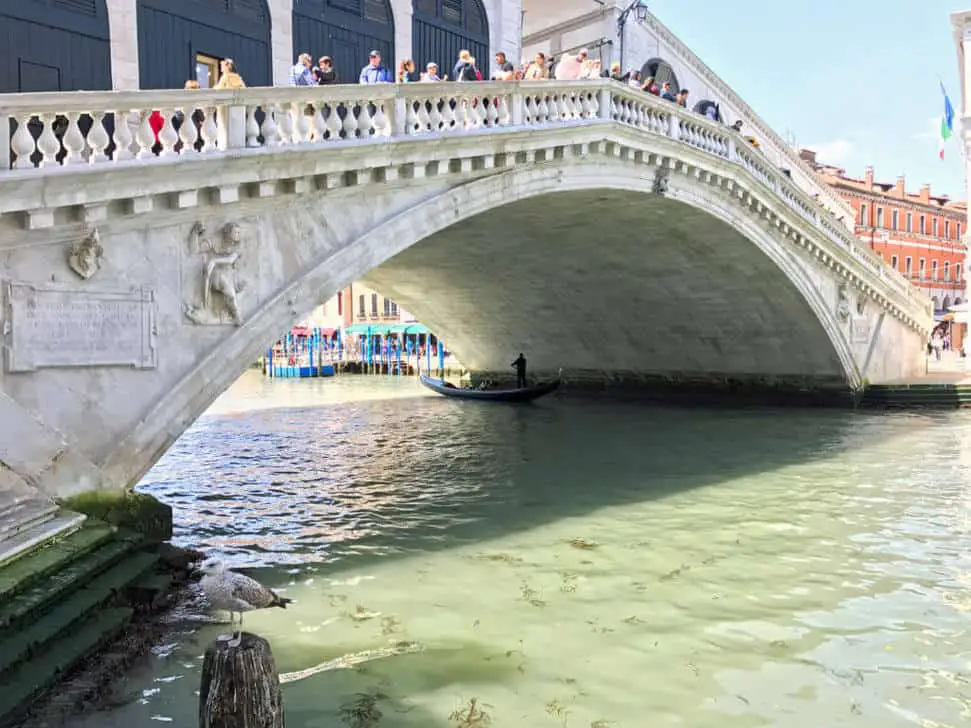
(859, 331)
(55, 326)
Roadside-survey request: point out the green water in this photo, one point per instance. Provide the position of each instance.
(576, 563)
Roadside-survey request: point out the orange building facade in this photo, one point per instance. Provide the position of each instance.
(921, 235)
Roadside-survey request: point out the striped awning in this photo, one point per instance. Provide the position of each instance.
(386, 329)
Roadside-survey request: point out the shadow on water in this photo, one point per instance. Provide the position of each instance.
(345, 484)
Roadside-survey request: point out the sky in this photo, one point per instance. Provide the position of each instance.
(858, 81)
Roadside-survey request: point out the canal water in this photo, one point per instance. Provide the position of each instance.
(575, 563)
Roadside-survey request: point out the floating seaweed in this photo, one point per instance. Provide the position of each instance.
(362, 614)
(503, 557)
(555, 709)
(582, 543)
(471, 715)
(633, 620)
(569, 584)
(362, 711)
(528, 594)
(675, 573)
(390, 625)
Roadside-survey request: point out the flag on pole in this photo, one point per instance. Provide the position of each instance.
(947, 120)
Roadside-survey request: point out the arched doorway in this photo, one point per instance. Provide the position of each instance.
(54, 46)
(937, 306)
(442, 28)
(183, 39)
(662, 72)
(345, 30)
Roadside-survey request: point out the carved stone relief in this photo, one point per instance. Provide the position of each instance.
(843, 304)
(860, 304)
(660, 186)
(217, 298)
(86, 255)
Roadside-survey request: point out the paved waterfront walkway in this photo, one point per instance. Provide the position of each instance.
(951, 369)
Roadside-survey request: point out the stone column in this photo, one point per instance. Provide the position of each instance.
(281, 40)
(123, 27)
(401, 11)
(961, 23)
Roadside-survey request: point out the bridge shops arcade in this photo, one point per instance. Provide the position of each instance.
(58, 45)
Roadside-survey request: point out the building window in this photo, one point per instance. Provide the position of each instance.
(921, 268)
(957, 271)
(934, 270)
(863, 212)
(947, 269)
(374, 304)
(908, 265)
(880, 217)
(893, 262)
(894, 220)
(923, 225)
(387, 307)
(910, 223)
(959, 231)
(934, 227)
(361, 310)
(394, 308)
(947, 229)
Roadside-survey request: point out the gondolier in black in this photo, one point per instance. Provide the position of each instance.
(520, 365)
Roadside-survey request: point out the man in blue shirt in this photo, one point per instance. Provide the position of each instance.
(374, 72)
(300, 74)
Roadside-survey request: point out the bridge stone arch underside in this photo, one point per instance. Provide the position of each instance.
(585, 262)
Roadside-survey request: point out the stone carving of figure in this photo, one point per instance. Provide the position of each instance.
(860, 304)
(660, 181)
(843, 304)
(86, 255)
(219, 277)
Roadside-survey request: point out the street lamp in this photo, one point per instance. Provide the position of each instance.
(639, 8)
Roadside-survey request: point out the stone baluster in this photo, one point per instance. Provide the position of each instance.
(382, 124)
(188, 134)
(168, 137)
(448, 115)
(210, 129)
(434, 115)
(123, 136)
(271, 132)
(492, 113)
(333, 123)
(503, 115)
(98, 139)
(365, 123)
(529, 110)
(542, 110)
(461, 113)
(22, 143)
(47, 143)
(301, 123)
(252, 127)
(415, 123)
(73, 140)
(319, 126)
(285, 118)
(349, 125)
(144, 136)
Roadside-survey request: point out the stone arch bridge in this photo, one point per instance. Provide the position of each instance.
(601, 230)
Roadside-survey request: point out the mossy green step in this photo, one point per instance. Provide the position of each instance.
(17, 575)
(72, 574)
(41, 671)
(22, 643)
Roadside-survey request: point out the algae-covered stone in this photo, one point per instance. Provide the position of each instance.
(126, 509)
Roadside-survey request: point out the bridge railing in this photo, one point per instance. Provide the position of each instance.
(149, 127)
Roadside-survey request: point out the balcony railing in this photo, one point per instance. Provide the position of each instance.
(112, 129)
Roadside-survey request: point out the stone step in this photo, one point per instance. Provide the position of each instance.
(52, 663)
(21, 644)
(17, 575)
(27, 541)
(23, 514)
(72, 574)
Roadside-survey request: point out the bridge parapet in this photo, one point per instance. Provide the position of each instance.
(78, 133)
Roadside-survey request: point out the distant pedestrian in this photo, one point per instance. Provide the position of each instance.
(301, 73)
(325, 73)
(375, 71)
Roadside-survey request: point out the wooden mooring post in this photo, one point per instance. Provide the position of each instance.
(240, 686)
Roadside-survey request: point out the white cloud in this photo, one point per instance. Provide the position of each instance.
(832, 152)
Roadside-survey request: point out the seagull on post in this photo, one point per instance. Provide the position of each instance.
(233, 592)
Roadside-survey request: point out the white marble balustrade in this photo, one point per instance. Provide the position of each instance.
(59, 130)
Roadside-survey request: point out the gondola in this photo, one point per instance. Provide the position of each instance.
(524, 394)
